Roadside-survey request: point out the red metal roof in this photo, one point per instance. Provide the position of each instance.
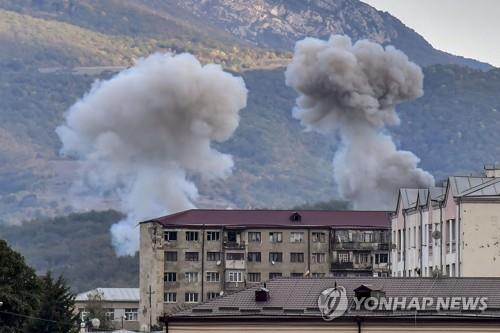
(276, 218)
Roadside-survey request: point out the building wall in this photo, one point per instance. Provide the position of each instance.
(481, 238)
(366, 327)
(151, 268)
(154, 265)
(118, 312)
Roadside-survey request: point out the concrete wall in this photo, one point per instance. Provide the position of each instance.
(151, 268)
(481, 238)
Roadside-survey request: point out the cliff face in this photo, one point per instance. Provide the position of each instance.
(280, 23)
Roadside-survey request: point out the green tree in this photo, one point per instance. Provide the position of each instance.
(19, 290)
(56, 308)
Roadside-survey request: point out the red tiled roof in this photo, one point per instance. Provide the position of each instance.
(278, 218)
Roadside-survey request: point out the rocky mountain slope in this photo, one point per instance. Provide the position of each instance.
(277, 163)
(279, 24)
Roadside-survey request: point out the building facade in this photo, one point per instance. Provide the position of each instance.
(196, 255)
(121, 306)
(452, 230)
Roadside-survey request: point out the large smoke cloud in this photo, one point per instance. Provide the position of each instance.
(353, 90)
(141, 133)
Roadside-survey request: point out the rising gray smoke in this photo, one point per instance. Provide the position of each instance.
(353, 90)
(139, 134)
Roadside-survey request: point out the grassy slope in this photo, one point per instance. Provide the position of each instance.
(78, 247)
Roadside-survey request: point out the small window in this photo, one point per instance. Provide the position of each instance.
(212, 295)
(191, 276)
(235, 256)
(192, 256)
(318, 258)
(213, 277)
(170, 255)
(275, 237)
(275, 275)
(235, 276)
(170, 277)
(296, 237)
(254, 237)
(343, 257)
(109, 314)
(213, 256)
(191, 297)
(296, 257)
(170, 297)
(296, 275)
(131, 314)
(318, 237)
(170, 236)
(232, 236)
(275, 256)
(192, 236)
(254, 277)
(254, 256)
(213, 236)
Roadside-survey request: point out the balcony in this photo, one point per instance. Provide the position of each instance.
(350, 266)
(361, 246)
(234, 245)
(235, 264)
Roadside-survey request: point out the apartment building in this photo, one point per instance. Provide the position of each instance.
(196, 255)
(452, 230)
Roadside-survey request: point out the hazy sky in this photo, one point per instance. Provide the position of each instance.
(470, 28)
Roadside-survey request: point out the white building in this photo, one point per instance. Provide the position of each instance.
(121, 305)
(452, 230)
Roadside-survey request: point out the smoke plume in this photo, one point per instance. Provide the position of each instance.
(144, 131)
(352, 90)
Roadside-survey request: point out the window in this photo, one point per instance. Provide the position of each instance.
(367, 237)
(213, 277)
(213, 256)
(275, 256)
(109, 314)
(192, 256)
(342, 257)
(191, 276)
(212, 295)
(254, 257)
(191, 297)
(213, 236)
(362, 258)
(235, 256)
(170, 255)
(296, 275)
(170, 277)
(131, 314)
(170, 297)
(232, 236)
(235, 276)
(254, 237)
(318, 275)
(253, 277)
(318, 237)
(296, 257)
(296, 237)
(275, 275)
(275, 237)
(192, 236)
(381, 258)
(170, 236)
(318, 258)
(84, 315)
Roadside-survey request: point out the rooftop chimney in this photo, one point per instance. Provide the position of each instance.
(262, 294)
(492, 170)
